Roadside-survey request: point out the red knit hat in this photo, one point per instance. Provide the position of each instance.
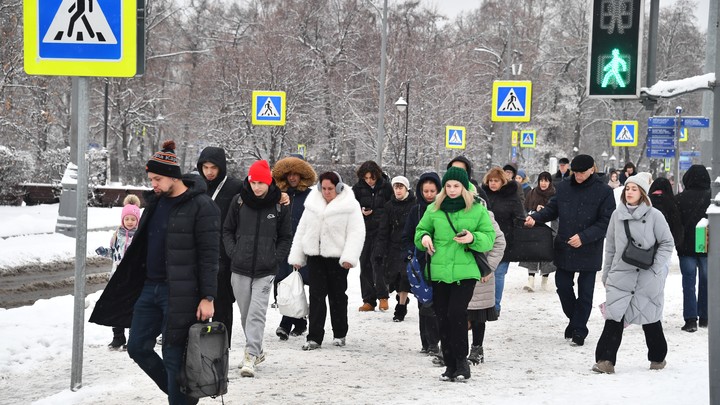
(260, 171)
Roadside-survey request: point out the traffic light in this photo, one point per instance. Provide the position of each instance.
(615, 48)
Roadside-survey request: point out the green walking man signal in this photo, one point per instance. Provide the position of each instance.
(615, 48)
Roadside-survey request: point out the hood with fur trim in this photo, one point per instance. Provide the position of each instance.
(291, 164)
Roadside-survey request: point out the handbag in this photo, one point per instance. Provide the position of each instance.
(419, 286)
(635, 256)
(480, 258)
(291, 297)
(530, 244)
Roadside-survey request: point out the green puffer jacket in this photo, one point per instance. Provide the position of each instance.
(451, 261)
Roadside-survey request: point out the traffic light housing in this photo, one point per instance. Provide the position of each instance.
(615, 47)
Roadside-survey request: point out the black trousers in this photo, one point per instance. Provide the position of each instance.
(223, 303)
(450, 302)
(367, 274)
(611, 337)
(429, 330)
(327, 280)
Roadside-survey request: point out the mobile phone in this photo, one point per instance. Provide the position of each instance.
(461, 234)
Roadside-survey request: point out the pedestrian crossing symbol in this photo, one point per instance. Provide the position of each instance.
(528, 139)
(455, 137)
(683, 134)
(268, 108)
(80, 37)
(511, 101)
(624, 133)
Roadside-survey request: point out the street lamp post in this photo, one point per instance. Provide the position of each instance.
(612, 161)
(402, 105)
(604, 158)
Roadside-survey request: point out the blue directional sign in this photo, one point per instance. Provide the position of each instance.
(80, 37)
(660, 153)
(695, 122)
(661, 143)
(268, 108)
(661, 132)
(661, 122)
(511, 101)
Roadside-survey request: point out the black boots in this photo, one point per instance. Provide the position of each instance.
(400, 312)
(462, 372)
(690, 325)
(476, 355)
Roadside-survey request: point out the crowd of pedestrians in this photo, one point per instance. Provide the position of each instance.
(206, 240)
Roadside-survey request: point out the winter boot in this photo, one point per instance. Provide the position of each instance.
(366, 307)
(703, 323)
(462, 372)
(604, 367)
(530, 287)
(282, 333)
(118, 342)
(400, 312)
(384, 304)
(544, 283)
(476, 355)
(658, 365)
(690, 325)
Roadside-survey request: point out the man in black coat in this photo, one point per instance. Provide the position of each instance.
(583, 206)
(167, 279)
(221, 187)
(563, 172)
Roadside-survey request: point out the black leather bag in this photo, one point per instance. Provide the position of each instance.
(530, 244)
(480, 258)
(635, 256)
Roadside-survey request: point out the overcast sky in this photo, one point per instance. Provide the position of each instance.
(452, 7)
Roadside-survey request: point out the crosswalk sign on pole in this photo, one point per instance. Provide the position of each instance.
(455, 137)
(683, 134)
(511, 101)
(514, 138)
(528, 139)
(80, 37)
(624, 133)
(268, 108)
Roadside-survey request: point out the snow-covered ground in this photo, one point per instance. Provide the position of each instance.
(527, 359)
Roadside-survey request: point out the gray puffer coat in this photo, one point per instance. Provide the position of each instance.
(484, 293)
(634, 293)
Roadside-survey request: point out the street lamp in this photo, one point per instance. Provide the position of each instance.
(612, 161)
(604, 158)
(402, 105)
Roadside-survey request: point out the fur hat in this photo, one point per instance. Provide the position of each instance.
(260, 171)
(401, 180)
(456, 173)
(165, 162)
(642, 179)
(581, 163)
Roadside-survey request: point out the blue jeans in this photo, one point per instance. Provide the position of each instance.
(577, 309)
(149, 320)
(691, 267)
(500, 273)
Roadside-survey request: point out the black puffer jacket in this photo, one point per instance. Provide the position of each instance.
(583, 209)
(192, 250)
(373, 198)
(389, 241)
(692, 203)
(506, 205)
(662, 198)
(416, 213)
(256, 235)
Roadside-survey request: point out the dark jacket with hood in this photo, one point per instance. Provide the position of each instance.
(192, 249)
(584, 209)
(507, 208)
(469, 166)
(257, 232)
(298, 194)
(227, 189)
(661, 197)
(373, 198)
(692, 203)
(415, 214)
(389, 242)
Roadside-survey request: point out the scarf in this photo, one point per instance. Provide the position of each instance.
(452, 204)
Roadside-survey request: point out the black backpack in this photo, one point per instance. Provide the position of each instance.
(205, 367)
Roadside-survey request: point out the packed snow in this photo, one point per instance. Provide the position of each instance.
(527, 360)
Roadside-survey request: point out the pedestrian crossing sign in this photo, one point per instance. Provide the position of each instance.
(624, 133)
(683, 134)
(455, 137)
(80, 37)
(511, 101)
(528, 139)
(268, 108)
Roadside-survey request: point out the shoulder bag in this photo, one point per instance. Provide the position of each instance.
(635, 256)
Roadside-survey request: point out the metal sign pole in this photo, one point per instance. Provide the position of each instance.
(80, 115)
(678, 116)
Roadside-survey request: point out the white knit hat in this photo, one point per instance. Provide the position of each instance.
(401, 180)
(642, 179)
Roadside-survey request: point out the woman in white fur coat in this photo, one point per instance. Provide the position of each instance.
(329, 240)
(634, 295)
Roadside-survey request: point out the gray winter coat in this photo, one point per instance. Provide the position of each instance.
(634, 293)
(484, 293)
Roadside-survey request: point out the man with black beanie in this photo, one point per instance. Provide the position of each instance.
(583, 206)
(221, 187)
(167, 279)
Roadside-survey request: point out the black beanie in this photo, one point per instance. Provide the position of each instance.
(165, 162)
(512, 168)
(580, 163)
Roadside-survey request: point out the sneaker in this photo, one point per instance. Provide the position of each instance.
(463, 370)
(658, 365)
(438, 361)
(448, 375)
(703, 323)
(340, 342)
(117, 343)
(577, 340)
(604, 367)
(690, 325)
(384, 304)
(298, 331)
(476, 355)
(366, 307)
(247, 368)
(311, 345)
(282, 333)
(424, 350)
(259, 359)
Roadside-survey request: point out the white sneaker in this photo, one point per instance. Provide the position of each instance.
(310, 345)
(259, 359)
(247, 369)
(340, 342)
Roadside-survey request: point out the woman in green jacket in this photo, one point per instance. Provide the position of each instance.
(452, 226)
